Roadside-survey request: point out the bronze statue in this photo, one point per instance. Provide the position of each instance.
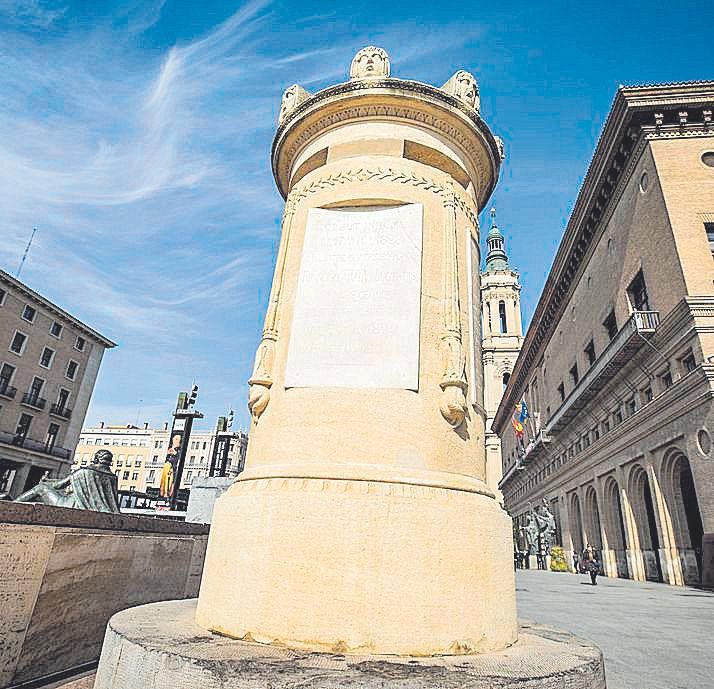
(88, 488)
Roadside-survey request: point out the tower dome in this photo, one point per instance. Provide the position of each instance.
(496, 259)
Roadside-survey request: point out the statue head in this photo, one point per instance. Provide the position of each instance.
(370, 63)
(293, 96)
(102, 460)
(464, 87)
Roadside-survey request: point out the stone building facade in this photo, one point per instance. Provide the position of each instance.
(617, 366)
(139, 453)
(49, 362)
(502, 339)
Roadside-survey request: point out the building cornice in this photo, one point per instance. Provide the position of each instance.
(638, 115)
(22, 288)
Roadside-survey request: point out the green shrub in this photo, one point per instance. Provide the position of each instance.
(558, 563)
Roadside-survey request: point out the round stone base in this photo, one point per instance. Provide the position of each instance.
(159, 646)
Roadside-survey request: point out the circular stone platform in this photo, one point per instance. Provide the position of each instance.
(159, 646)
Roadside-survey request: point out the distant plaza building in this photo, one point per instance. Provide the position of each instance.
(49, 362)
(139, 454)
(502, 339)
(617, 366)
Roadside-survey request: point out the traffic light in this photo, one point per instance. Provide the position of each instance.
(192, 397)
(229, 423)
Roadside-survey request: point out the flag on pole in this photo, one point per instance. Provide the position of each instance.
(517, 427)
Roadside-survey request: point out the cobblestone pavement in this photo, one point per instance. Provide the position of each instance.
(653, 636)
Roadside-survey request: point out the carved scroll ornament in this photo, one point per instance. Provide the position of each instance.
(453, 380)
(262, 379)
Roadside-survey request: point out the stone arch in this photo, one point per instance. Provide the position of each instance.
(643, 509)
(615, 541)
(683, 508)
(592, 519)
(576, 519)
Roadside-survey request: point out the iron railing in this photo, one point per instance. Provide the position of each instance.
(61, 411)
(32, 400)
(640, 326)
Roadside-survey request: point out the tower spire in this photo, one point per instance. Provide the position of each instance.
(496, 259)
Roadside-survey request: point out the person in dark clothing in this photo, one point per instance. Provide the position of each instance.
(594, 569)
(576, 567)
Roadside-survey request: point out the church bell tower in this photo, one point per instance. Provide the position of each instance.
(502, 339)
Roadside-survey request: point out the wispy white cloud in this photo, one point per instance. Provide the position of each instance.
(147, 172)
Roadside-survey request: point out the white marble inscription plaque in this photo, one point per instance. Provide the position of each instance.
(356, 319)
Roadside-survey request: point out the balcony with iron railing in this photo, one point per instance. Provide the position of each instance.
(61, 411)
(7, 390)
(19, 440)
(638, 328)
(30, 399)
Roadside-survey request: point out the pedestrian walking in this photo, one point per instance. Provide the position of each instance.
(594, 569)
(576, 567)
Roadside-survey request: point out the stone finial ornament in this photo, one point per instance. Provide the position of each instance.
(463, 85)
(501, 147)
(293, 96)
(370, 63)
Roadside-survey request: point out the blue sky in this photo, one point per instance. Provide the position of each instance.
(135, 135)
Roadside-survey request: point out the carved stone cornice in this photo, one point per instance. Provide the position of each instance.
(389, 98)
(638, 115)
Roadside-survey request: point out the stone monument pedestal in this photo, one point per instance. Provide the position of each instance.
(205, 490)
(160, 646)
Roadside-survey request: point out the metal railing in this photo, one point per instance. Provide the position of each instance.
(18, 440)
(7, 390)
(33, 400)
(61, 411)
(639, 326)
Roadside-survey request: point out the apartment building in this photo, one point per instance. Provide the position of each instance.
(139, 454)
(49, 362)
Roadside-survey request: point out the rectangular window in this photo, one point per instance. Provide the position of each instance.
(631, 406)
(72, 367)
(590, 352)
(98, 441)
(618, 415)
(688, 363)
(36, 387)
(6, 373)
(29, 313)
(134, 476)
(120, 463)
(23, 426)
(80, 343)
(2, 296)
(561, 391)
(596, 434)
(125, 475)
(586, 440)
(51, 438)
(192, 460)
(155, 458)
(151, 476)
(666, 379)
(62, 399)
(574, 376)
(610, 324)
(19, 340)
(647, 394)
(708, 226)
(56, 329)
(47, 356)
(637, 292)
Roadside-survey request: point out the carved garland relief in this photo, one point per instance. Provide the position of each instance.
(475, 153)
(453, 381)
